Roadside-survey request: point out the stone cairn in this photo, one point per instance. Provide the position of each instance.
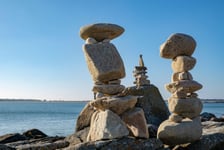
(115, 115)
(183, 125)
(140, 74)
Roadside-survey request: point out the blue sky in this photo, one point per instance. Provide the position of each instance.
(41, 52)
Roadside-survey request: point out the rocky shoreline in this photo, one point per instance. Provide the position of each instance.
(34, 139)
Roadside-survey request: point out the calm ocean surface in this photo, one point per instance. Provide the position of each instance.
(53, 118)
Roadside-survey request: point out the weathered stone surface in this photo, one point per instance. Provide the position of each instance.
(110, 89)
(187, 86)
(183, 63)
(187, 131)
(34, 134)
(116, 104)
(207, 142)
(27, 143)
(152, 103)
(136, 123)
(181, 76)
(212, 127)
(205, 116)
(11, 138)
(43, 145)
(190, 107)
(124, 143)
(106, 125)
(78, 137)
(84, 117)
(4, 147)
(104, 62)
(177, 44)
(101, 31)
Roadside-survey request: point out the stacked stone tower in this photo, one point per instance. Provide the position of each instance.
(140, 74)
(115, 114)
(183, 125)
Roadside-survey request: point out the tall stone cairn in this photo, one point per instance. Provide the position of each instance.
(115, 114)
(183, 125)
(140, 74)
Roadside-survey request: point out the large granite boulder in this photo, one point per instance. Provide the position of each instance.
(190, 107)
(183, 63)
(177, 44)
(136, 123)
(186, 86)
(152, 103)
(101, 31)
(106, 125)
(173, 133)
(104, 62)
(117, 104)
(84, 117)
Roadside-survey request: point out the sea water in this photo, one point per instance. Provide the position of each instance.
(54, 118)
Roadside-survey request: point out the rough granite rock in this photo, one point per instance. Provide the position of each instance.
(181, 76)
(187, 86)
(34, 134)
(152, 103)
(172, 133)
(84, 117)
(45, 145)
(124, 143)
(78, 137)
(104, 62)
(205, 116)
(207, 142)
(177, 44)
(190, 107)
(183, 63)
(106, 125)
(101, 31)
(21, 142)
(4, 147)
(212, 127)
(7, 138)
(109, 89)
(136, 123)
(117, 104)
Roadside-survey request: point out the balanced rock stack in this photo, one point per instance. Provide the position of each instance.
(140, 74)
(115, 115)
(183, 125)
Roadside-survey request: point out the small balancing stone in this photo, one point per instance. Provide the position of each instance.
(101, 31)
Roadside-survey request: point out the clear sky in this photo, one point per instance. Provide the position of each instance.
(41, 51)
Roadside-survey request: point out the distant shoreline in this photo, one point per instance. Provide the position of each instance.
(39, 100)
(45, 100)
(210, 100)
